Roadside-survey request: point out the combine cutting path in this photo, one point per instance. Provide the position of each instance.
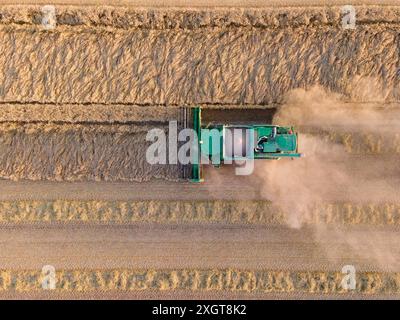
(199, 247)
(219, 184)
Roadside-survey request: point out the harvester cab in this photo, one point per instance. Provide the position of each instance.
(222, 143)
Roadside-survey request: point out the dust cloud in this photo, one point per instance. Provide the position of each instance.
(324, 110)
(328, 173)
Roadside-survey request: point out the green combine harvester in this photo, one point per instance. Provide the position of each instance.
(220, 143)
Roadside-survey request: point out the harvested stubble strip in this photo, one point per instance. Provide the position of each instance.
(80, 113)
(191, 18)
(210, 211)
(230, 280)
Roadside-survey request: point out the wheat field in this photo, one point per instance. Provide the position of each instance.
(77, 101)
